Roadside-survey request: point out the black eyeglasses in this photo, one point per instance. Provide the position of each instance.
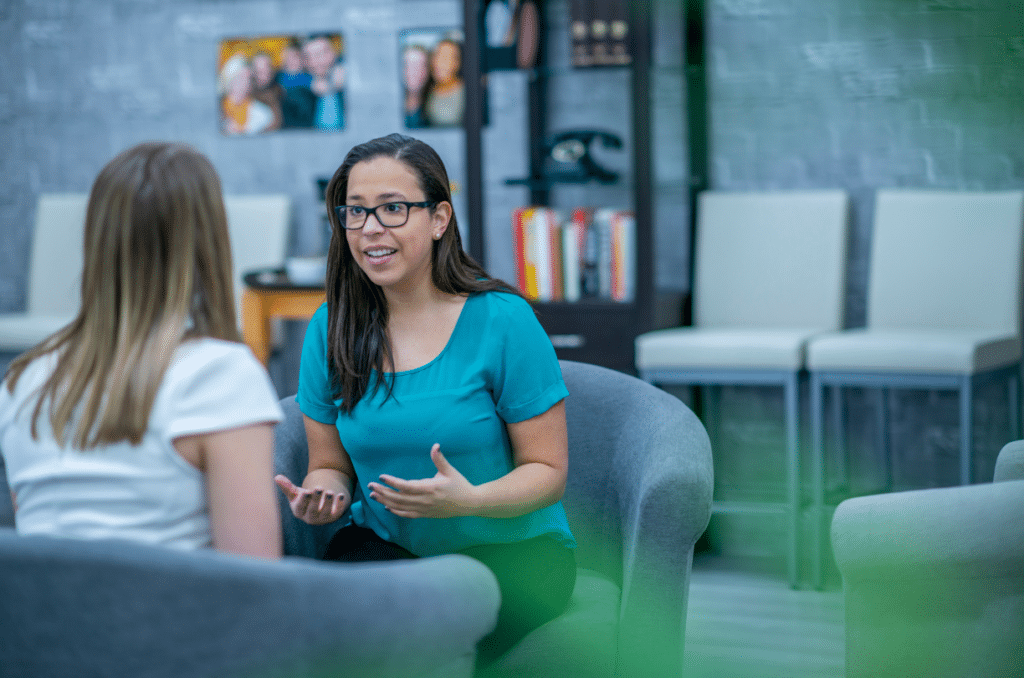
(389, 215)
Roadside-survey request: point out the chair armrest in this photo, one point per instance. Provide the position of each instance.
(291, 459)
(1010, 462)
(118, 608)
(941, 530)
(665, 480)
(932, 581)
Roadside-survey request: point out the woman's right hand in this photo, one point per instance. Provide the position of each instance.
(317, 504)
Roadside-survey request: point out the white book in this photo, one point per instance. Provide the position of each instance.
(571, 260)
(540, 240)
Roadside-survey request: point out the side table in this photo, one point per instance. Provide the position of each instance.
(268, 294)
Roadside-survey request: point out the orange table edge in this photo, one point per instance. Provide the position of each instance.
(259, 306)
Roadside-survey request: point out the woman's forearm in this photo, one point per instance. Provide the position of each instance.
(526, 488)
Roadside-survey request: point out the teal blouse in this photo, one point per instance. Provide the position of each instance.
(498, 366)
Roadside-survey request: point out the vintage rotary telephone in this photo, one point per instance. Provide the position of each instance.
(568, 158)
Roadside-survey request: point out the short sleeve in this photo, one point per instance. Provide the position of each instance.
(529, 380)
(315, 396)
(218, 385)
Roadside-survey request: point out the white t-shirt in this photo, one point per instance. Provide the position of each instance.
(144, 492)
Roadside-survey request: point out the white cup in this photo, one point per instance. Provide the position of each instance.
(306, 270)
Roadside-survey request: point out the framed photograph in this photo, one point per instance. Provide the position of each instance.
(281, 82)
(511, 34)
(434, 94)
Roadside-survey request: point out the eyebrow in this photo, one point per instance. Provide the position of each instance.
(386, 197)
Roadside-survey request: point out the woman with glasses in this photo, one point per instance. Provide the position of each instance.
(431, 393)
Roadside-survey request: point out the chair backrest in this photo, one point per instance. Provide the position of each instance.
(771, 259)
(55, 266)
(946, 260)
(259, 227)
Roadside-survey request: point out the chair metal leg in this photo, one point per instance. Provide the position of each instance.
(1013, 400)
(842, 450)
(966, 430)
(790, 394)
(818, 529)
(882, 446)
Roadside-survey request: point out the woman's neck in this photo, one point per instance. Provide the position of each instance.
(414, 302)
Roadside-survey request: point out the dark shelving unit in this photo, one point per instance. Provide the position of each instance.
(591, 330)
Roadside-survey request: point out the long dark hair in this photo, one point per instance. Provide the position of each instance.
(357, 311)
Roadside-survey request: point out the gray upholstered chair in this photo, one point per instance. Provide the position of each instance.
(638, 498)
(934, 579)
(117, 608)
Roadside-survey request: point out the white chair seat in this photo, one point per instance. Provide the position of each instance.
(21, 331)
(697, 348)
(943, 307)
(923, 351)
(769, 273)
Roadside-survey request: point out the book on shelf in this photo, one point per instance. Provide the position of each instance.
(574, 255)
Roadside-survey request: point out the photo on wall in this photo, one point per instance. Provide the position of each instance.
(281, 82)
(434, 92)
(511, 34)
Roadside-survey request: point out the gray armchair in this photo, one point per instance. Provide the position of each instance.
(112, 608)
(115, 608)
(934, 579)
(638, 498)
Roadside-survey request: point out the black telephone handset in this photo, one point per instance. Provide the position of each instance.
(569, 159)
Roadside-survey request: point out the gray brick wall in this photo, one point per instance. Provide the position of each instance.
(862, 95)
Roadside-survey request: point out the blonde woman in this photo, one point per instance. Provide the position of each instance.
(145, 418)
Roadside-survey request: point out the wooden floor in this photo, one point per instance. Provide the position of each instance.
(741, 624)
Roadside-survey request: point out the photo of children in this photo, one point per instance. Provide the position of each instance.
(281, 82)
(434, 93)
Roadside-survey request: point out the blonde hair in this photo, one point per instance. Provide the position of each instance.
(157, 271)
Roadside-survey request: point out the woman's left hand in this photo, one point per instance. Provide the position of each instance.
(446, 495)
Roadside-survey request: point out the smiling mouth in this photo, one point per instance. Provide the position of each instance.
(380, 253)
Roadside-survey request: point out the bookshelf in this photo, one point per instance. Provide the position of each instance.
(592, 329)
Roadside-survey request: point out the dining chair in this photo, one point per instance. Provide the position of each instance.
(943, 313)
(258, 227)
(54, 272)
(770, 274)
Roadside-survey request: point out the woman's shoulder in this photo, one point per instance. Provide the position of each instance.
(207, 353)
(31, 378)
(502, 309)
(502, 301)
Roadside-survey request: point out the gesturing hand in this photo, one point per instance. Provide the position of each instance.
(315, 506)
(445, 495)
